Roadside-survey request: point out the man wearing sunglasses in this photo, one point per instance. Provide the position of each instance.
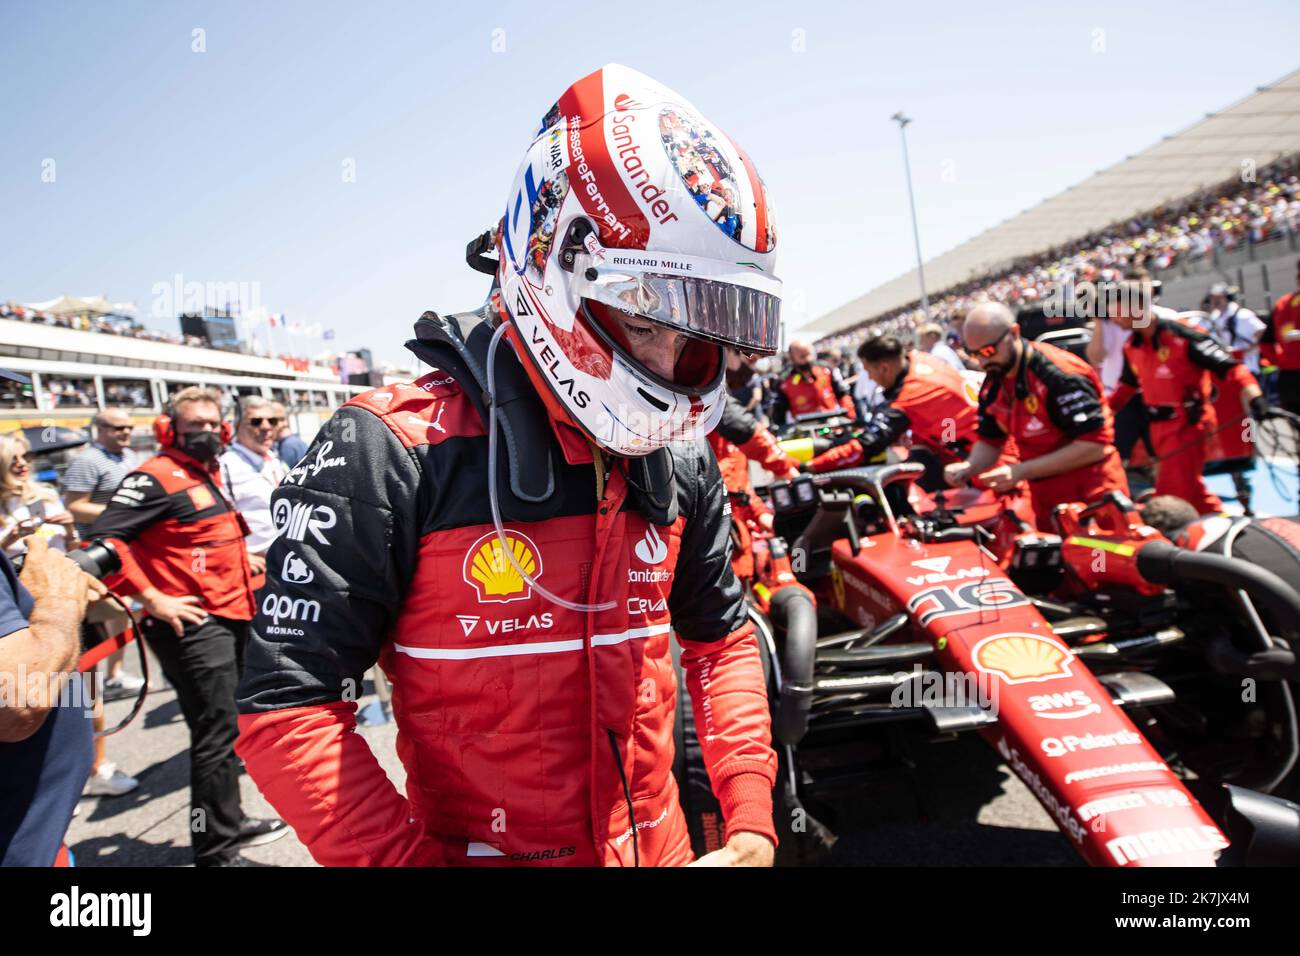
(1050, 401)
(251, 471)
(95, 474)
(87, 486)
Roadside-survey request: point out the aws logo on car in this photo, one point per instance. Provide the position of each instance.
(493, 576)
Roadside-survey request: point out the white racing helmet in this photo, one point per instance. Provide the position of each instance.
(629, 204)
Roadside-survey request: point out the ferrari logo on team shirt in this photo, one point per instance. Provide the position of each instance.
(201, 498)
(1031, 404)
(1162, 353)
(1021, 658)
(491, 573)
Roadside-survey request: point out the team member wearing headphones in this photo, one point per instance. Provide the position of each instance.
(181, 542)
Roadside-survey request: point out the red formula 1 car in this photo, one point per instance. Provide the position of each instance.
(1125, 680)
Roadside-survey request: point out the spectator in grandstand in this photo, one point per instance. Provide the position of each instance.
(251, 472)
(931, 338)
(289, 447)
(1217, 218)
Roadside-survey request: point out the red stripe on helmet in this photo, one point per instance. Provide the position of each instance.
(760, 199)
(585, 100)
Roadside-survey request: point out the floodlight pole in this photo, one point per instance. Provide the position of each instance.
(902, 122)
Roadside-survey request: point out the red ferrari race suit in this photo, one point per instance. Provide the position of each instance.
(1054, 398)
(530, 733)
(1282, 334)
(175, 528)
(932, 400)
(738, 440)
(1171, 368)
(821, 390)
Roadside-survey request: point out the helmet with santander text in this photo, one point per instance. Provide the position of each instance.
(637, 244)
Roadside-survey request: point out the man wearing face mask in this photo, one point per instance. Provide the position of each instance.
(181, 543)
(810, 388)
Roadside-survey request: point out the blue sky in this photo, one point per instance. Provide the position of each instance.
(226, 165)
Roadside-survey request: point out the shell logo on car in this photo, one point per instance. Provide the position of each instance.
(1021, 658)
(489, 571)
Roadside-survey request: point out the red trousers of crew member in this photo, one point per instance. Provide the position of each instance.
(1086, 484)
(1181, 449)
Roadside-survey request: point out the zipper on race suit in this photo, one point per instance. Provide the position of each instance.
(627, 794)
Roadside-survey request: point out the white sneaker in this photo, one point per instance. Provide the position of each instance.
(121, 686)
(108, 781)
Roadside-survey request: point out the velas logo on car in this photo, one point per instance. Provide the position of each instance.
(493, 576)
(938, 568)
(651, 549)
(1021, 658)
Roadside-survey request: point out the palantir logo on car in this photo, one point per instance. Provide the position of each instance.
(651, 549)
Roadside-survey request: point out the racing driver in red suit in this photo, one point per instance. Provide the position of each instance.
(514, 536)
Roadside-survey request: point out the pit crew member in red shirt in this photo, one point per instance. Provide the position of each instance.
(1051, 402)
(921, 394)
(1173, 366)
(810, 388)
